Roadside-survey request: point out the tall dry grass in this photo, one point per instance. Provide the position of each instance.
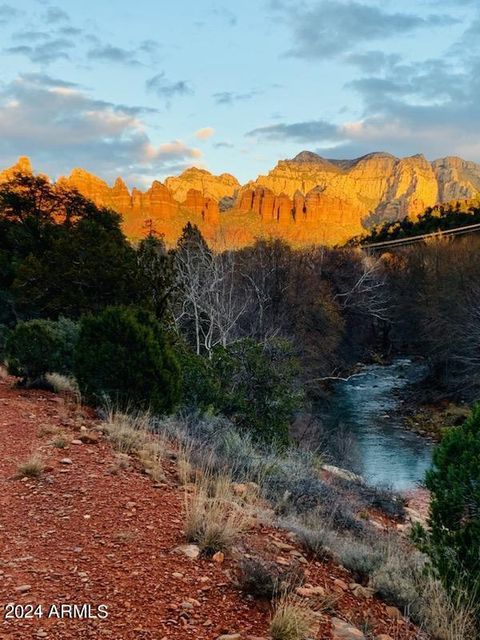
(33, 467)
(213, 518)
(292, 619)
(130, 435)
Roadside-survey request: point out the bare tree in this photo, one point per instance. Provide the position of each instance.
(369, 293)
(209, 302)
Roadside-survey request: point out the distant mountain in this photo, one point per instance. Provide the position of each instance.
(305, 200)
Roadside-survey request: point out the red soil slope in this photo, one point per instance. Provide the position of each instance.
(83, 535)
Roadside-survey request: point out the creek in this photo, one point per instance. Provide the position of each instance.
(365, 408)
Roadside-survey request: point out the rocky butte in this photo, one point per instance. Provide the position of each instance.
(306, 200)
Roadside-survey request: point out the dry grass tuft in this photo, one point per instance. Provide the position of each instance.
(121, 463)
(63, 384)
(185, 471)
(264, 579)
(444, 617)
(213, 519)
(128, 433)
(47, 430)
(152, 456)
(292, 619)
(31, 468)
(60, 442)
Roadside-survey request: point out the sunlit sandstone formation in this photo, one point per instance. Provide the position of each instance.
(208, 185)
(305, 200)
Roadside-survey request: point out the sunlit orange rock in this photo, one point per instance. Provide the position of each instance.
(23, 165)
(305, 200)
(203, 206)
(201, 180)
(121, 198)
(283, 210)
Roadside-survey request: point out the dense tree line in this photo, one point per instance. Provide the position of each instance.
(436, 311)
(441, 217)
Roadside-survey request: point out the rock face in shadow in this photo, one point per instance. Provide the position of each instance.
(305, 200)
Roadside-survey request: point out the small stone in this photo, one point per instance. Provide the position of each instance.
(308, 592)
(189, 550)
(230, 636)
(383, 636)
(344, 631)
(361, 591)
(283, 545)
(393, 612)
(186, 605)
(218, 557)
(23, 588)
(66, 461)
(340, 584)
(89, 437)
(76, 442)
(177, 575)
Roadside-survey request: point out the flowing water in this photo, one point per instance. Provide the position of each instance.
(364, 407)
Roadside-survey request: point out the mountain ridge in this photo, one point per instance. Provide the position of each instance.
(304, 200)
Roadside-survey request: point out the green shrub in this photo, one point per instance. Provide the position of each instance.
(200, 383)
(257, 387)
(453, 537)
(37, 347)
(67, 334)
(124, 357)
(397, 580)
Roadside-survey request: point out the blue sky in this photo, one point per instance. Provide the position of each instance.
(145, 89)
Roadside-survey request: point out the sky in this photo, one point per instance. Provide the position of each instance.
(147, 88)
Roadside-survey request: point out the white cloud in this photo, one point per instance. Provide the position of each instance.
(60, 126)
(205, 133)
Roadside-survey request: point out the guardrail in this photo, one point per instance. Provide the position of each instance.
(400, 242)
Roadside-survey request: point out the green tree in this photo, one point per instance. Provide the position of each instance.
(156, 274)
(124, 356)
(60, 254)
(86, 267)
(192, 240)
(453, 537)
